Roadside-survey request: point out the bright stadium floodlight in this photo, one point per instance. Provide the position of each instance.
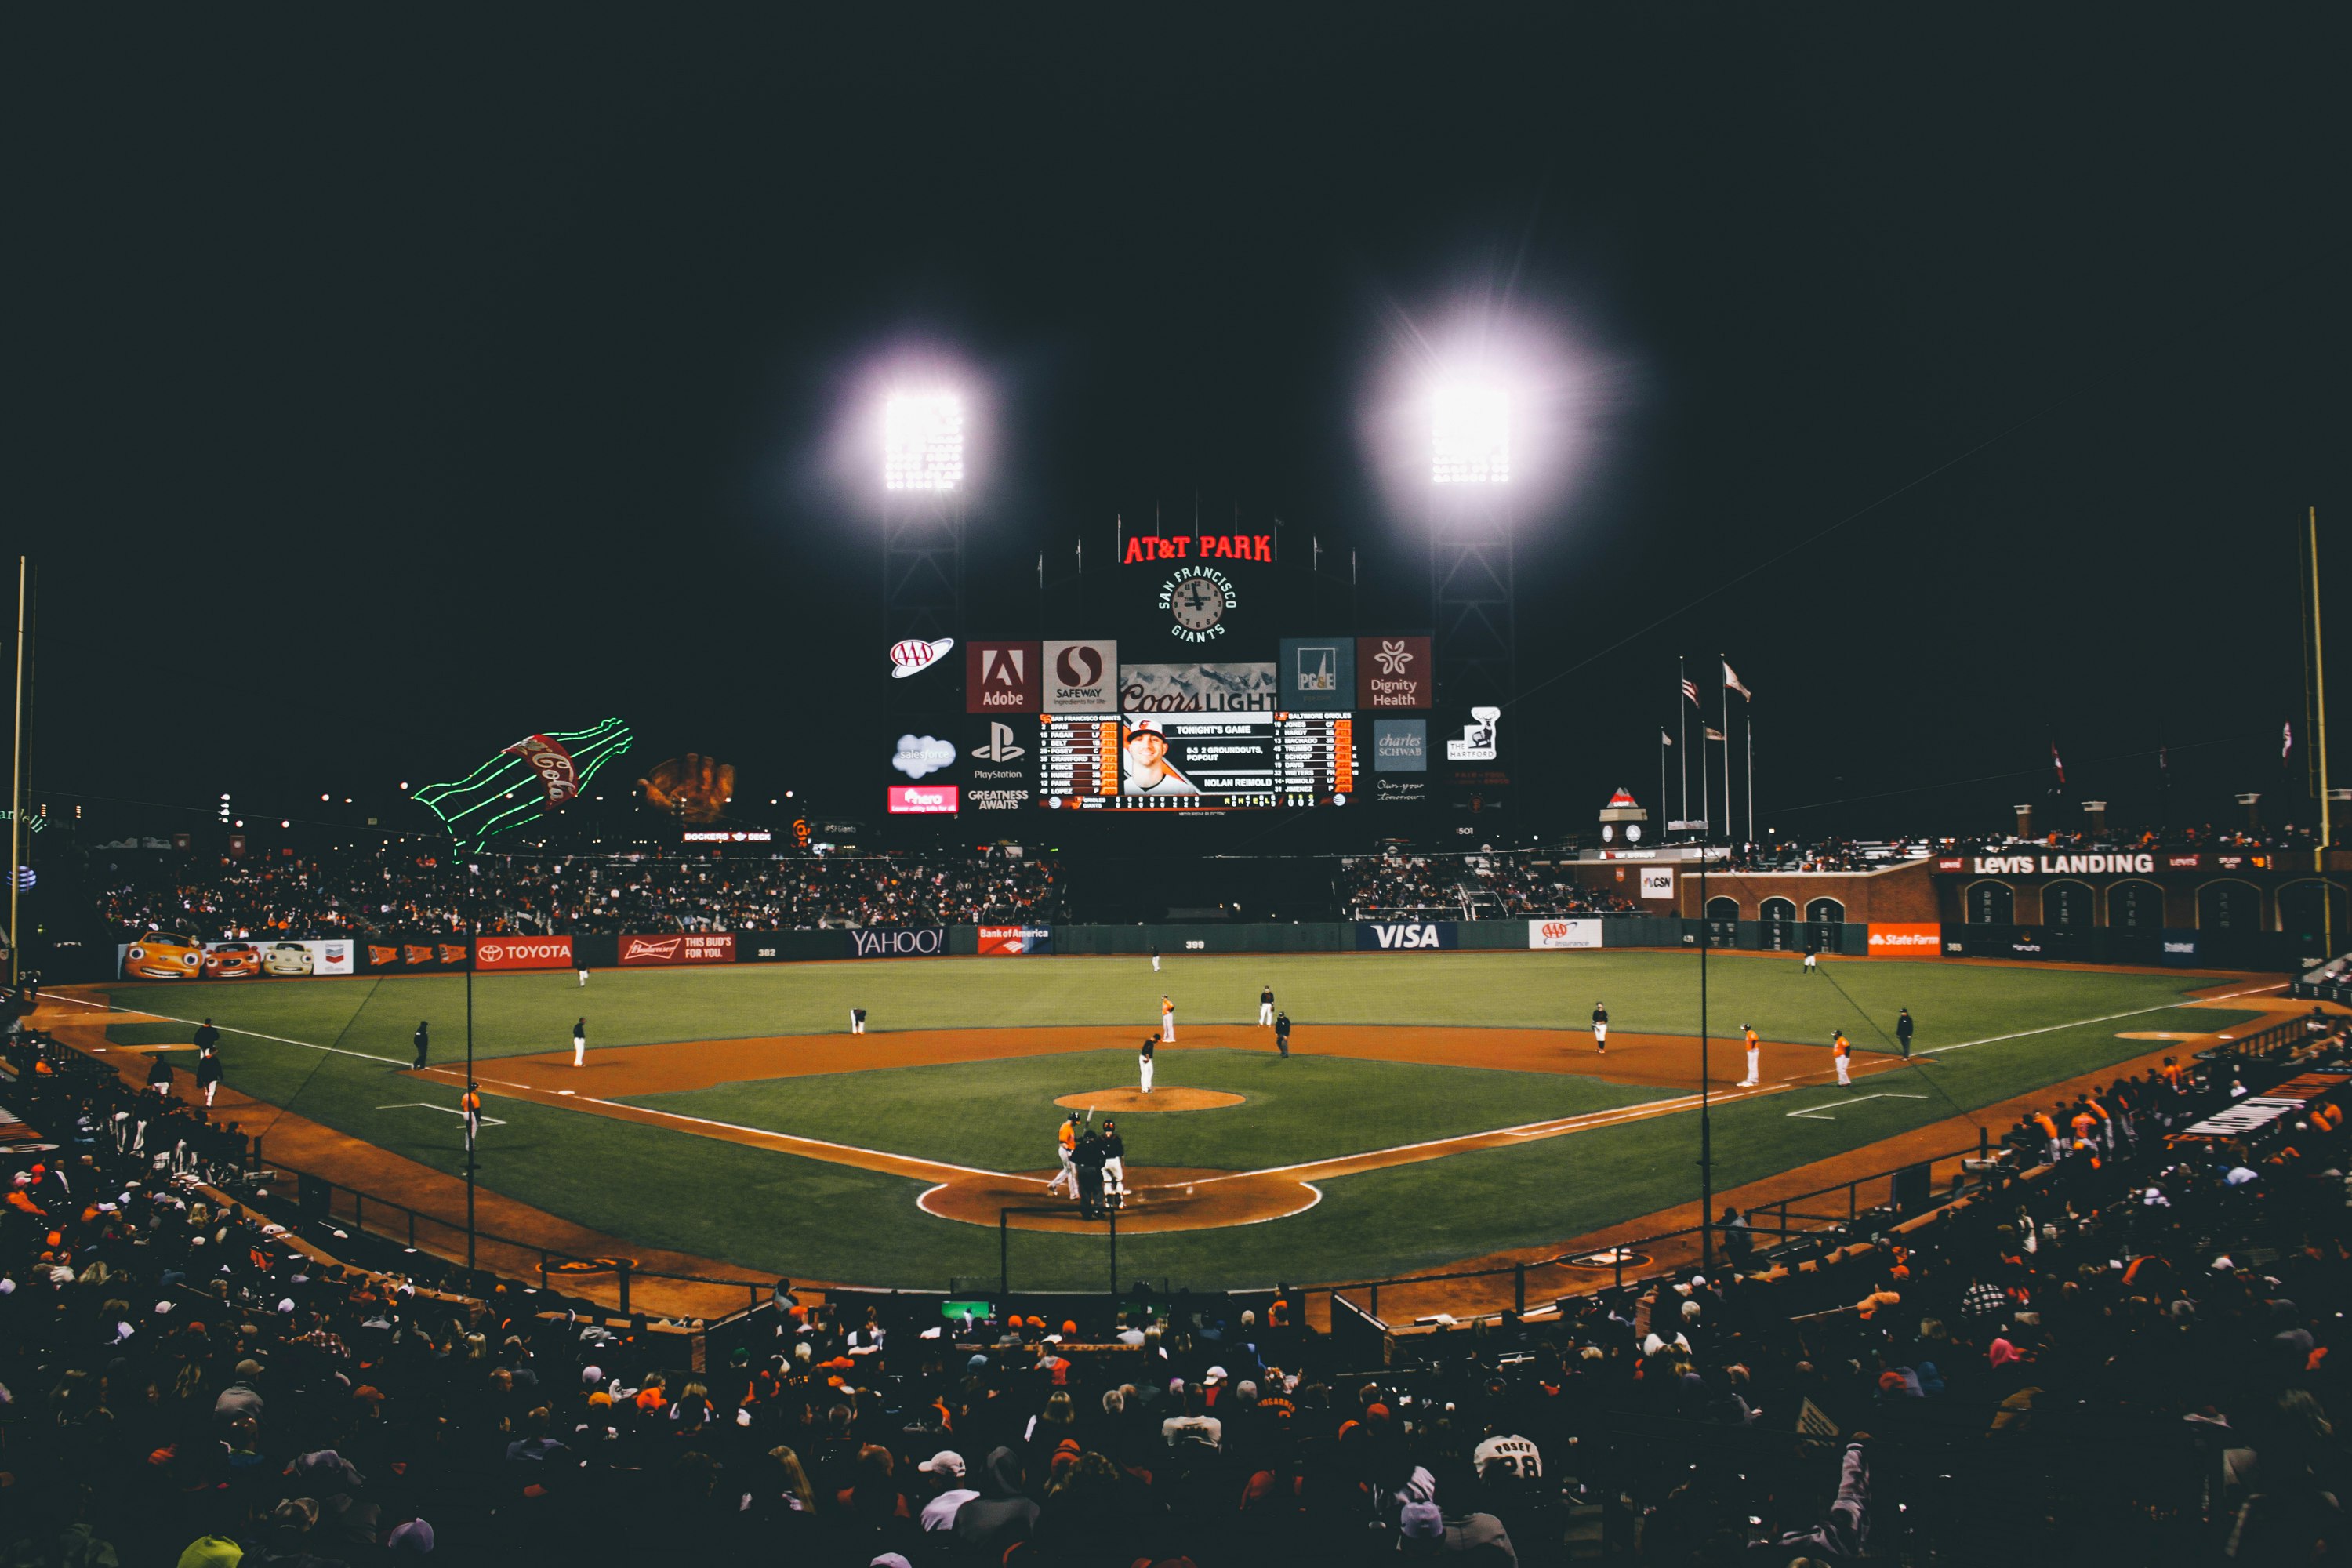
(922, 442)
(1470, 437)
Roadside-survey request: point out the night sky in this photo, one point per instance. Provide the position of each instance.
(378, 391)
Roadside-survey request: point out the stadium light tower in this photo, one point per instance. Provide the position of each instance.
(1470, 554)
(923, 489)
(922, 442)
(1470, 436)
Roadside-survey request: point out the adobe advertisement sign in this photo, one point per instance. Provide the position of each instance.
(679, 947)
(1081, 676)
(1393, 672)
(1318, 674)
(1001, 677)
(522, 952)
(1012, 942)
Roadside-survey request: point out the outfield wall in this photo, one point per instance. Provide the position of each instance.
(438, 952)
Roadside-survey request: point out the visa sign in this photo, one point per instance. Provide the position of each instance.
(1383, 936)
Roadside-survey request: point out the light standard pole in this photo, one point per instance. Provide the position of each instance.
(1706, 1122)
(473, 946)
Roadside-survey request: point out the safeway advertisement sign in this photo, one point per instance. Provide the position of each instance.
(522, 952)
(680, 947)
(1905, 940)
(1563, 933)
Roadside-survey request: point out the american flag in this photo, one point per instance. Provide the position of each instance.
(1690, 689)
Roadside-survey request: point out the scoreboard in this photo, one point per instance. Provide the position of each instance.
(1195, 762)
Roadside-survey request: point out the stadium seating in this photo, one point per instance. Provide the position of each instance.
(2122, 1346)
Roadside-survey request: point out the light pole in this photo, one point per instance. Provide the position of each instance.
(1706, 1122)
(470, 1116)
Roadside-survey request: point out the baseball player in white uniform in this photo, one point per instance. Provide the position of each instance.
(1143, 1062)
(1265, 1006)
(1812, 962)
(1167, 1020)
(580, 1043)
(1600, 1027)
(583, 980)
(1755, 1056)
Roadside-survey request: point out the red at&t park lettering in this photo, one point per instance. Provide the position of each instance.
(1146, 547)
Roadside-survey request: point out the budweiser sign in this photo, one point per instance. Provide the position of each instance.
(553, 764)
(679, 947)
(522, 952)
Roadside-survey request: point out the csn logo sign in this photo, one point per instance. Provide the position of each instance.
(1384, 937)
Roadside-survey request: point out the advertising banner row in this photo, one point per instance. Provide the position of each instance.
(166, 955)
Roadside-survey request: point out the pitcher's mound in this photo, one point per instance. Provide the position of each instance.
(1129, 1099)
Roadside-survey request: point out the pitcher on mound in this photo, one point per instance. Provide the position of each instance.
(1143, 1061)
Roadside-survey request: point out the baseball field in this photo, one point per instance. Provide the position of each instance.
(1436, 1106)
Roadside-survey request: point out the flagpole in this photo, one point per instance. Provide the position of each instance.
(1749, 708)
(1727, 745)
(1682, 728)
(1661, 783)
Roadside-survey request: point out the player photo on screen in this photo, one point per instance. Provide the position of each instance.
(1145, 767)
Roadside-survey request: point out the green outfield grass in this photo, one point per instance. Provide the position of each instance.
(1994, 1032)
(1000, 1115)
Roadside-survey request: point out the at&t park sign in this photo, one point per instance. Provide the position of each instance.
(2108, 865)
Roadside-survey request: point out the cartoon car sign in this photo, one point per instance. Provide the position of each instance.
(164, 955)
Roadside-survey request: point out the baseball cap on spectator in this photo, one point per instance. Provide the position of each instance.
(1214, 1374)
(249, 1367)
(1421, 1521)
(591, 1375)
(413, 1536)
(889, 1560)
(946, 1462)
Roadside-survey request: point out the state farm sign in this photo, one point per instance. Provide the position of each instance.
(1907, 940)
(522, 952)
(680, 947)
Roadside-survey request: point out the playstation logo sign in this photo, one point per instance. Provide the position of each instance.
(1000, 747)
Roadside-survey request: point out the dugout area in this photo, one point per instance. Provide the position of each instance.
(1439, 1106)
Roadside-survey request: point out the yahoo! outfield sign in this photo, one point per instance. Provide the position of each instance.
(913, 942)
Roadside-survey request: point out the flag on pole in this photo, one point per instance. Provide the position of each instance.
(1690, 689)
(1712, 732)
(2057, 761)
(2286, 743)
(1731, 678)
(1665, 739)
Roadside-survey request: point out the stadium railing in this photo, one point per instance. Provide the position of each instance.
(507, 1256)
(1967, 1171)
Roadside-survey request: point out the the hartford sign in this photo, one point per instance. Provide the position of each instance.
(2108, 865)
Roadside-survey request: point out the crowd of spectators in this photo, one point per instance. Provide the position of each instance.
(2120, 1349)
(402, 887)
(1493, 885)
